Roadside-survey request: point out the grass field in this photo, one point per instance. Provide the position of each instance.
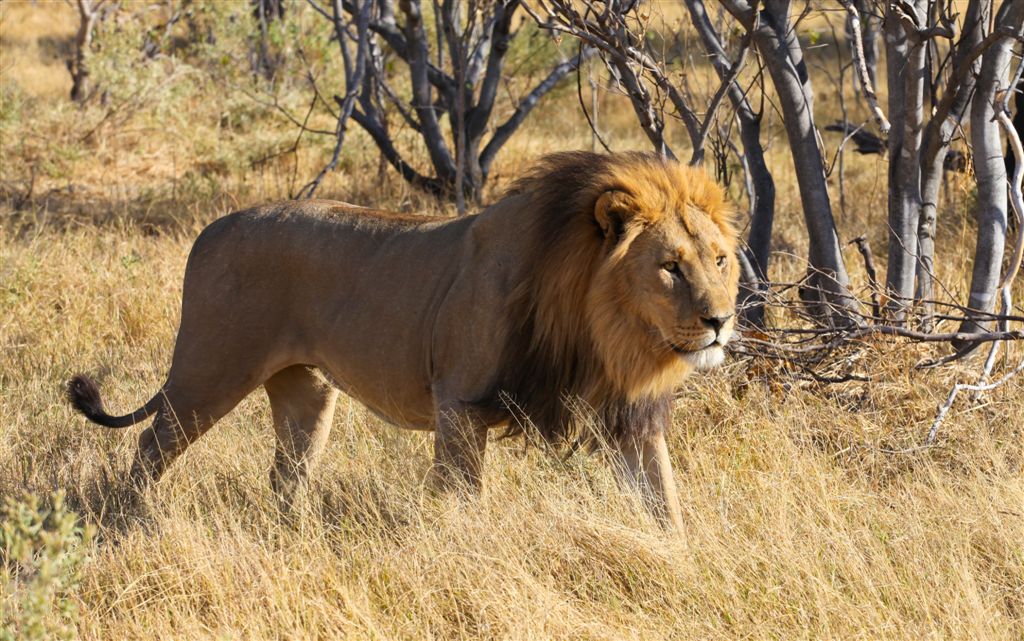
(801, 521)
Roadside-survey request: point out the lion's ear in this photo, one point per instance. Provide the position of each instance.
(612, 212)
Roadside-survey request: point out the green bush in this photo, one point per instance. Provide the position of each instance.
(42, 548)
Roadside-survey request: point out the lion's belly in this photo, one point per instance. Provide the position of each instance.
(374, 329)
(411, 411)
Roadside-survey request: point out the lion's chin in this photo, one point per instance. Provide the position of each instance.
(704, 359)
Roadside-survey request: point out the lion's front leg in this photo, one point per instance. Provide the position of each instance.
(459, 443)
(644, 466)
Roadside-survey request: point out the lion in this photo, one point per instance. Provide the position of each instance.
(596, 281)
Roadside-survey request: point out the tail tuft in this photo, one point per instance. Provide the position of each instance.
(84, 396)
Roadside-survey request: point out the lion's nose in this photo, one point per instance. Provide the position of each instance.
(716, 322)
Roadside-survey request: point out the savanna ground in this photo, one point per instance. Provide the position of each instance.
(801, 521)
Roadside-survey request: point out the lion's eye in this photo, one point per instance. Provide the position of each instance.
(671, 266)
(720, 261)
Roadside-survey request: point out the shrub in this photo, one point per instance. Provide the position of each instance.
(41, 551)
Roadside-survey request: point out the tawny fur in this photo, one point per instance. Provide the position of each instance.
(590, 284)
(581, 330)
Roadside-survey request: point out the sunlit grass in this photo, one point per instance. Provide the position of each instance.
(800, 522)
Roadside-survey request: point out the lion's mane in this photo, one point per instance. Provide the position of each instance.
(560, 373)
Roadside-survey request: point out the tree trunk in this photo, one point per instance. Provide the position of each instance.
(777, 44)
(762, 205)
(934, 145)
(990, 170)
(905, 60)
(265, 12)
(79, 64)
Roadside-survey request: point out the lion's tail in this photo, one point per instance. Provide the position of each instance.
(84, 396)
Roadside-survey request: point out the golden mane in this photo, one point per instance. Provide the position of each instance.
(558, 356)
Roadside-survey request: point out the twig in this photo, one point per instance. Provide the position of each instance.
(869, 266)
(945, 407)
(591, 121)
(862, 68)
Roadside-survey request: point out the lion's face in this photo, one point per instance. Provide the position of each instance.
(664, 299)
(682, 276)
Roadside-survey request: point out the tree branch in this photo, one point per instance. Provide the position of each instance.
(526, 105)
(862, 68)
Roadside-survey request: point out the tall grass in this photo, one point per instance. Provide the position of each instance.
(801, 520)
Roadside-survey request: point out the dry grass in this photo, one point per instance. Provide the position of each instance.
(798, 523)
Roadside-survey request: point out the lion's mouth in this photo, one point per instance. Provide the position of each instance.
(683, 351)
(704, 358)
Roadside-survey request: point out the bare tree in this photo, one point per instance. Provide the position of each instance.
(771, 27)
(90, 13)
(918, 147)
(989, 168)
(456, 71)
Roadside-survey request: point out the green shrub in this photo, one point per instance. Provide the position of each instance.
(41, 550)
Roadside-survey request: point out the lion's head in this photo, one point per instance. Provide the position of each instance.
(635, 282)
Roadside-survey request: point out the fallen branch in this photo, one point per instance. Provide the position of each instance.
(959, 387)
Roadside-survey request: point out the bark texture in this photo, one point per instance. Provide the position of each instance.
(989, 168)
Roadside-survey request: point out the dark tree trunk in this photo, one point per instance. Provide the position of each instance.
(776, 41)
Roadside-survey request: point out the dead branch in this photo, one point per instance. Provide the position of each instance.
(862, 69)
(869, 266)
(959, 387)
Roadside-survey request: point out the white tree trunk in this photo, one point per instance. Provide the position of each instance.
(990, 170)
(905, 60)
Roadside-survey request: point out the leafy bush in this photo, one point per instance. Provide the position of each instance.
(41, 551)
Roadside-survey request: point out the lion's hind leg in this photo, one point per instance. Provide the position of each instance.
(191, 406)
(302, 402)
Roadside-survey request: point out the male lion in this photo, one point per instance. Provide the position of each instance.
(598, 281)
